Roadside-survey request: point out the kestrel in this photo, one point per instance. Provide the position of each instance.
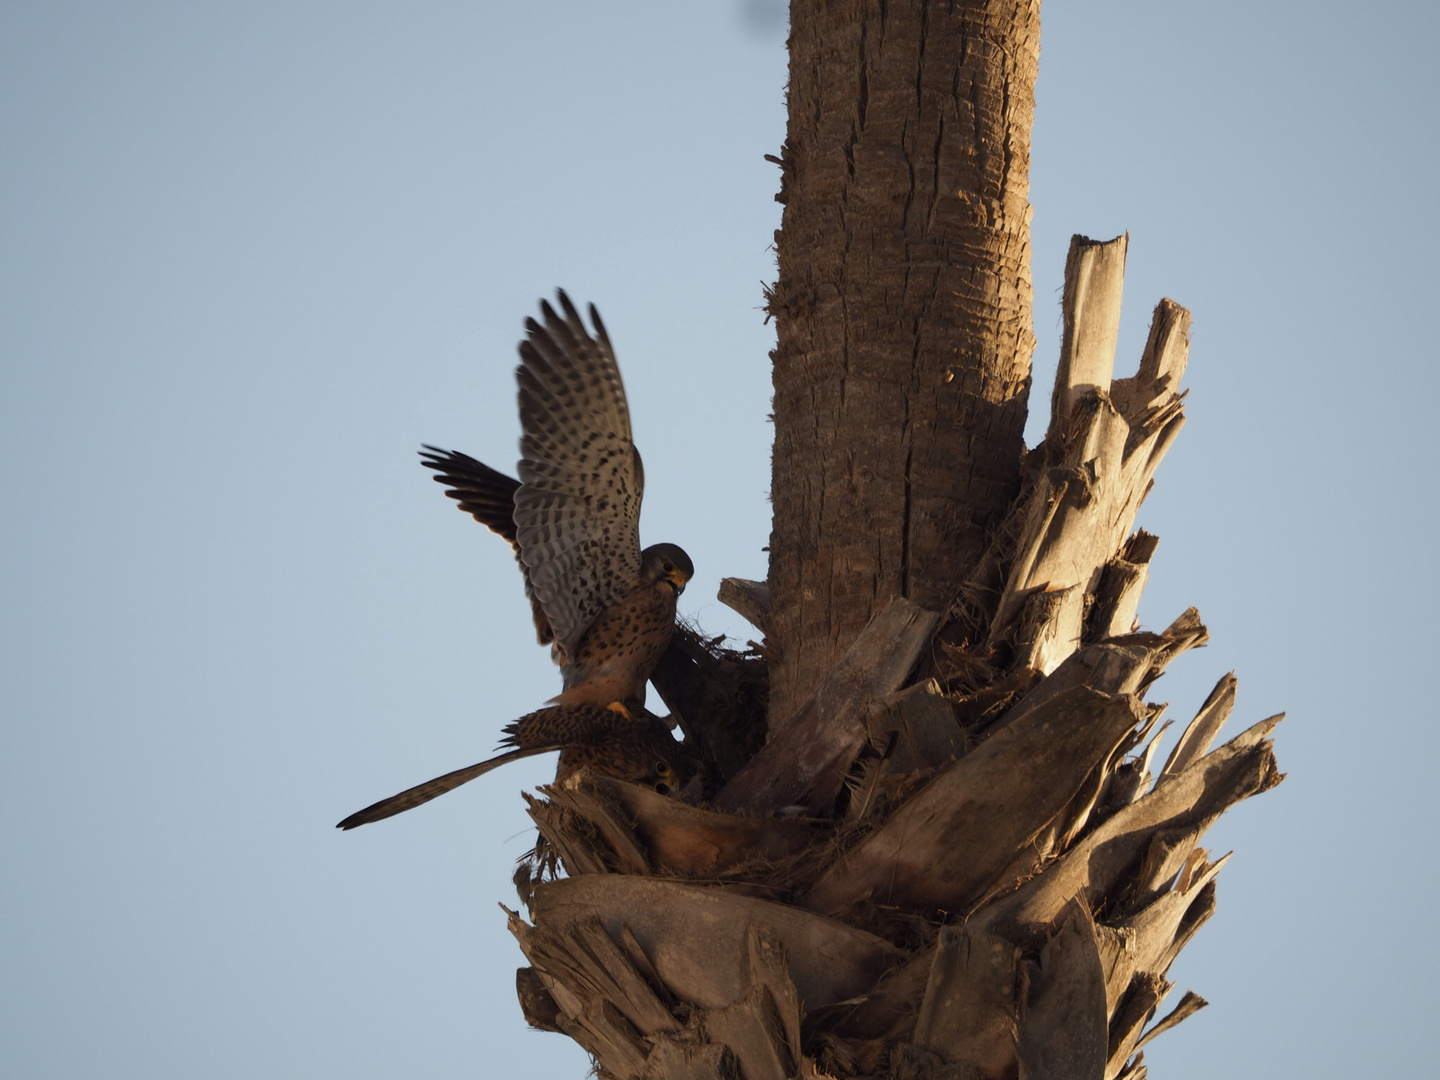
(606, 608)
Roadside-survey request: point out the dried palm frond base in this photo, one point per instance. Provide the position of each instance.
(956, 860)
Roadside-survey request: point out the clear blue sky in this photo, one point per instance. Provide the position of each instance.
(252, 255)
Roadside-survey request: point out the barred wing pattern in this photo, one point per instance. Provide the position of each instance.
(488, 496)
(577, 511)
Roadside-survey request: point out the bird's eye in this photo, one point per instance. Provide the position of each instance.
(669, 568)
(661, 769)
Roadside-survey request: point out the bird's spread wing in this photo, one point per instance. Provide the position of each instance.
(577, 511)
(423, 793)
(488, 496)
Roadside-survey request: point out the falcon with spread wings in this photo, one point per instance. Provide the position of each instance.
(606, 607)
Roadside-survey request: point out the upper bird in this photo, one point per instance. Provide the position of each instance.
(605, 607)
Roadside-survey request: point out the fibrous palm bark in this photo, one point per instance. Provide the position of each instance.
(902, 312)
(952, 852)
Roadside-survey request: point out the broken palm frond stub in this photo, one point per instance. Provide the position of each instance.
(961, 856)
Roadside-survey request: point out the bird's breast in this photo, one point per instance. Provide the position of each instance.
(622, 646)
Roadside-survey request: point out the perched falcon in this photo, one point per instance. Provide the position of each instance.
(606, 608)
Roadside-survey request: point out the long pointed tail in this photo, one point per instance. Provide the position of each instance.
(423, 793)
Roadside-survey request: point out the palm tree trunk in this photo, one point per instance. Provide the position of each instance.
(953, 855)
(902, 312)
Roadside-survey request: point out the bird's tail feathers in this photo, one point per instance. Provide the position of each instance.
(423, 793)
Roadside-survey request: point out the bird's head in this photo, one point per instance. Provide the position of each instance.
(668, 563)
(664, 777)
(661, 764)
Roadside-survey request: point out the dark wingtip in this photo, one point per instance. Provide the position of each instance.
(571, 314)
(600, 332)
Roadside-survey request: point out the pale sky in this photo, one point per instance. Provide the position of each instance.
(252, 255)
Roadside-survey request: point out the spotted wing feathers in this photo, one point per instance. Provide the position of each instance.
(577, 511)
(572, 725)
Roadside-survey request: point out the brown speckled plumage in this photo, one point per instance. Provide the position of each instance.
(638, 749)
(606, 608)
(577, 510)
(573, 517)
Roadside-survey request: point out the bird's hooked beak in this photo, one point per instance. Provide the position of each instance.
(677, 580)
